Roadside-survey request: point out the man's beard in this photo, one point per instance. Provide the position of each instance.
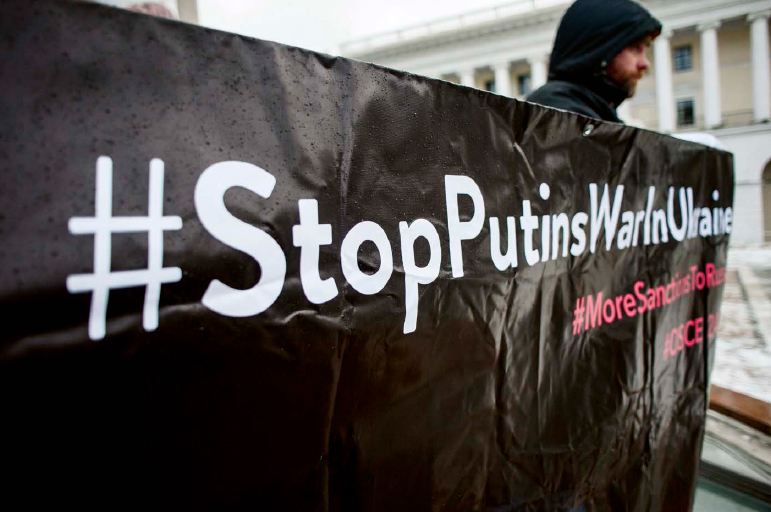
(630, 87)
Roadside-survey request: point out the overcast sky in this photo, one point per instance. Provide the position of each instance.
(322, 25)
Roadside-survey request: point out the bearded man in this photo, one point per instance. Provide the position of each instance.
(598, 57)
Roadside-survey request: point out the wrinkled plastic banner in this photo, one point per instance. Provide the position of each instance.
(235, 273)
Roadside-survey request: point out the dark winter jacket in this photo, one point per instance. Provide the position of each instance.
(590, 35)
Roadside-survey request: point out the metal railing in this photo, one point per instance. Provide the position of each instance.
(446, 24)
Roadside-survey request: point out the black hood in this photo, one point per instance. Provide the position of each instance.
(592, 32)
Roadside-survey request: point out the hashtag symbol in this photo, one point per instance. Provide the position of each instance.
(102, 225)
(578, 316)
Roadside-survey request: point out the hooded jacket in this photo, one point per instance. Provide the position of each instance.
(590, 35)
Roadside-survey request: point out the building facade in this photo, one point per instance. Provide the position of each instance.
(711, 72)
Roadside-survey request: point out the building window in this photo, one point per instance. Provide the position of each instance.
(685, 115)
(682, 58)
(490, 85)
(524, 84)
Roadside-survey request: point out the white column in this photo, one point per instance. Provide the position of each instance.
(188, 11)
(538, 71)
(761, 74)
(502, 79)
(467, 78)
(710, 68)
(665, 98)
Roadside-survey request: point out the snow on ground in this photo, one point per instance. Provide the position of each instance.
(742, 358)
(752, 256)
(743, 352)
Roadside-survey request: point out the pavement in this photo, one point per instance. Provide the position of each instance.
(742, 364)
(743, 353)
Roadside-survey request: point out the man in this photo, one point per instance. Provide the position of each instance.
(598, 57)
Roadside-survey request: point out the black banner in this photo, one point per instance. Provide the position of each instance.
(235, 273)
